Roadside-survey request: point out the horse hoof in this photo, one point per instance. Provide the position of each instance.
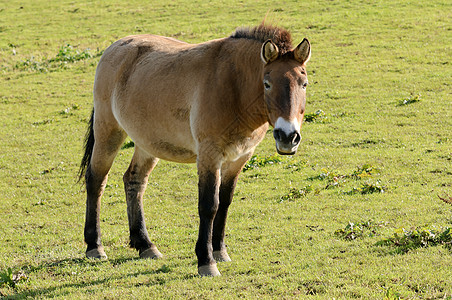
(221, 255)
(97, 253)
(152, 253)
(209, 270)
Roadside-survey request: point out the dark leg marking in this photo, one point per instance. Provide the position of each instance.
(95, 186)
(135, 182)
(226, 193)
(207, 207)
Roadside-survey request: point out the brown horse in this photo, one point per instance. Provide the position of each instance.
(208, 103)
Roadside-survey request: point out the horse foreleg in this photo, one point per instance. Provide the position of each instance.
(229, 175)
(135, 181)
(219, 247)
(208, 189)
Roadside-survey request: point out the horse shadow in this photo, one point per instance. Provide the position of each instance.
(83, 262)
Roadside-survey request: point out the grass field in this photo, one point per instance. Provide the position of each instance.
(355, 214)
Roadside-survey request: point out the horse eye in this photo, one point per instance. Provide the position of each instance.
(267, 85)
(305, 85)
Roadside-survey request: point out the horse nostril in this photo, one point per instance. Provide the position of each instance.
(277, 134)
(296, 138)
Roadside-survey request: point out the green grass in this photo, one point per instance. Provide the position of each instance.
(379, 96)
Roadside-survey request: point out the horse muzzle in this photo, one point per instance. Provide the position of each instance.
(286, 144)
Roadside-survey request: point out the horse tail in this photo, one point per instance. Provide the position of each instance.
(89, 145)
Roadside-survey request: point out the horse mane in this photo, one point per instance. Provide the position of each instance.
(262, 33)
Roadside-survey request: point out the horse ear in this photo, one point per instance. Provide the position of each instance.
(269, 52)
(303, 51)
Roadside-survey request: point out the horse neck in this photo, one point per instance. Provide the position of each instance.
(249, 77)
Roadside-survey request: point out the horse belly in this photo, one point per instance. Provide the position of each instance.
(161, 131)
(171, 151)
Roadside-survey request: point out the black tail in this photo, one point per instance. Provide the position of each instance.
(89, 145)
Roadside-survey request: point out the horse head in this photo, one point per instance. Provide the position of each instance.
(285, 81)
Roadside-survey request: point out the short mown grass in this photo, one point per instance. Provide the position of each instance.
(354, 215)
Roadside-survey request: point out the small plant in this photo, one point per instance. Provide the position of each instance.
(443, 140)
(164, 269)
(297, 166)
(391, 295)
(332, 179)
(44, 122)
(335, 179)
(257, 161)
(295, 193)
(8, 278)
(33, 65)
(356, 230)
(326, 175)
(405, 240)
(410, 100)
(68, 110)
(317, 116)
(127, 145)
(66, 54)
(368, 188)
(365, 170)
(47, 171)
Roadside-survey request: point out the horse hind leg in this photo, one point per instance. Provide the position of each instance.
(135, 182)
(100, 153)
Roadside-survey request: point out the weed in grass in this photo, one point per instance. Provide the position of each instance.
(356, 230)
(164, 269)
(367, 188)
(443, 140)
(365, 170)
(342, 114)
(68, 110)
(315, 287)
(295, 193)
(127, 145)
(256, 161)
(47, 171)
(52, 169)
(405, 240)
(391, 295)
(8, 278)
(33, 65)
(314, 228)
(410, 100)
(325, 175)
(317, 116)
(334, 179)
(44, 122)
(297, 166)
(366, 143)
(66, 54)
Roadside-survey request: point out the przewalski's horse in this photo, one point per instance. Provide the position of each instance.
(208, 103)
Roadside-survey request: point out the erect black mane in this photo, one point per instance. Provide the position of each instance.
(262, 33)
